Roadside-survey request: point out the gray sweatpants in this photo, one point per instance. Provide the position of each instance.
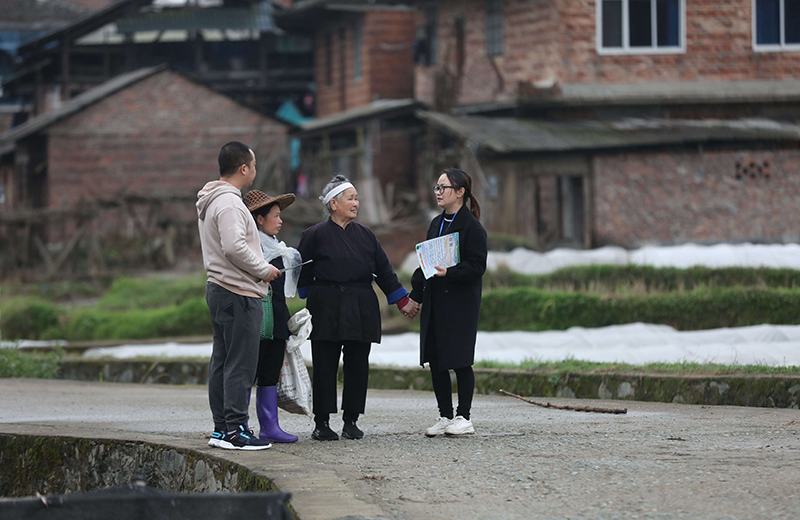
(236, 322)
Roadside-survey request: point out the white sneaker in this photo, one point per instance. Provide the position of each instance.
(459, 426)
(437, 429)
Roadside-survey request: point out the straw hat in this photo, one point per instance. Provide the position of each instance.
(255, 199)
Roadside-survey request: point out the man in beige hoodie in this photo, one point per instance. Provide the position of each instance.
(238, 278)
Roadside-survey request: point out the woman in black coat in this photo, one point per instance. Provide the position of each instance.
(451, 302)
(345, 314)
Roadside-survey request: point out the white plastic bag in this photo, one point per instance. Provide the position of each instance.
(294, 385)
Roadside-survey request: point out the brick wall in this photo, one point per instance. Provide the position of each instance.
(386, 57)
(696, 196)
(556, 40)
(160, 136)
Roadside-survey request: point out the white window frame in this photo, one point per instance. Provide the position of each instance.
(626, 48)
(771, 47)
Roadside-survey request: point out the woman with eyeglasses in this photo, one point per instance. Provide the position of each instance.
(450, 302)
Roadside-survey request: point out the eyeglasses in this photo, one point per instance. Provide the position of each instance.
(439, 188)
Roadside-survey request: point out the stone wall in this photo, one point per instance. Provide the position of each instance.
(62, 465)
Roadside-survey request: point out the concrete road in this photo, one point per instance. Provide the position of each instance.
(657, 461)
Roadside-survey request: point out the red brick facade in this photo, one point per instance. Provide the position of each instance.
(160, 136)
(697, 196)
(386, 59)
(556, 40)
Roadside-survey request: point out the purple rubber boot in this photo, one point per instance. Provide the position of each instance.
(267, 410)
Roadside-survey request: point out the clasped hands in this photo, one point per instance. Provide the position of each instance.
(411, 309)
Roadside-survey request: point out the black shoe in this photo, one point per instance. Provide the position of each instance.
(323, 432)
(243, 439)
(351, 431)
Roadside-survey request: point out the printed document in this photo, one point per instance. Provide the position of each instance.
(441, 251)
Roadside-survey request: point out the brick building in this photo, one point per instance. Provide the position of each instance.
(614, 121)
(365, 126)
(124, 161)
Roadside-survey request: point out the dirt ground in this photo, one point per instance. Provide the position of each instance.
(656, 461)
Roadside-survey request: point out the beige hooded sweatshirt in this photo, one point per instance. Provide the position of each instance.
(229, 240)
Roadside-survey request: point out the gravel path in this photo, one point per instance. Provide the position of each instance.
(657, 461)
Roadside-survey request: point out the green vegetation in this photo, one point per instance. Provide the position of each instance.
(571, 365)
(637, 279)
(26, 317)
(587, 296)
(131, 308)
(152, 292)
(20, 363)
(534, 309)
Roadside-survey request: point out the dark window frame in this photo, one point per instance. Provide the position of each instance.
(494, 27)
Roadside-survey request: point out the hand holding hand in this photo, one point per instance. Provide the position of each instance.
(411, 309)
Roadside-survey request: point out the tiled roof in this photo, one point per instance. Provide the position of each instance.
(76, 104)
(522, 136)
(380, 108)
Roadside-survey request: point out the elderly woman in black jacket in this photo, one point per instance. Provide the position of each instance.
(451, 302)
(345, 314)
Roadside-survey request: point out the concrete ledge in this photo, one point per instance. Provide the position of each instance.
(777, 391)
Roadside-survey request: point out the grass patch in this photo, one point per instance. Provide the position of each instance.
(15, 363)
(680, 368)
(153, 292)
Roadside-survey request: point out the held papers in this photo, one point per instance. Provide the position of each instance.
(441, 251)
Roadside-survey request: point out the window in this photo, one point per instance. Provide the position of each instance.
(357, 37)
(494, 27)
(776, 24)
(460, 45)
(328, 59)
(640, 26)
(431, 22)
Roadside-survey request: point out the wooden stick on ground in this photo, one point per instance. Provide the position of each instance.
(568, 407)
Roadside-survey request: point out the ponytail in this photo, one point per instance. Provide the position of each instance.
(461, 179)
(474, 206)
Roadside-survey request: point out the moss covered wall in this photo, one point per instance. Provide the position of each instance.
(61, 465)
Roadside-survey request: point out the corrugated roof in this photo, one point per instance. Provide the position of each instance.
(521, 136)
(685, 92)
(77, 104)
(304, 15)
(257, 17)
(86, 24)
(380, 108)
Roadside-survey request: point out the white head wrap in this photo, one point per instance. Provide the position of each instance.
(291, 257)
(335, 191)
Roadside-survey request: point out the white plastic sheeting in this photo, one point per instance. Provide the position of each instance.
(636, 343)
(683, 256)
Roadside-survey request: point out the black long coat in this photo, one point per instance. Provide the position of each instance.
(338, 285)
(451, 304)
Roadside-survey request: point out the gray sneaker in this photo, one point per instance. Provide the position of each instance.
(439, 427)
(459, 426)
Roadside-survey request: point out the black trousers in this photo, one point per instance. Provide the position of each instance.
(270, 361)
(236, 322)
(443, 385)
(325, 359)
